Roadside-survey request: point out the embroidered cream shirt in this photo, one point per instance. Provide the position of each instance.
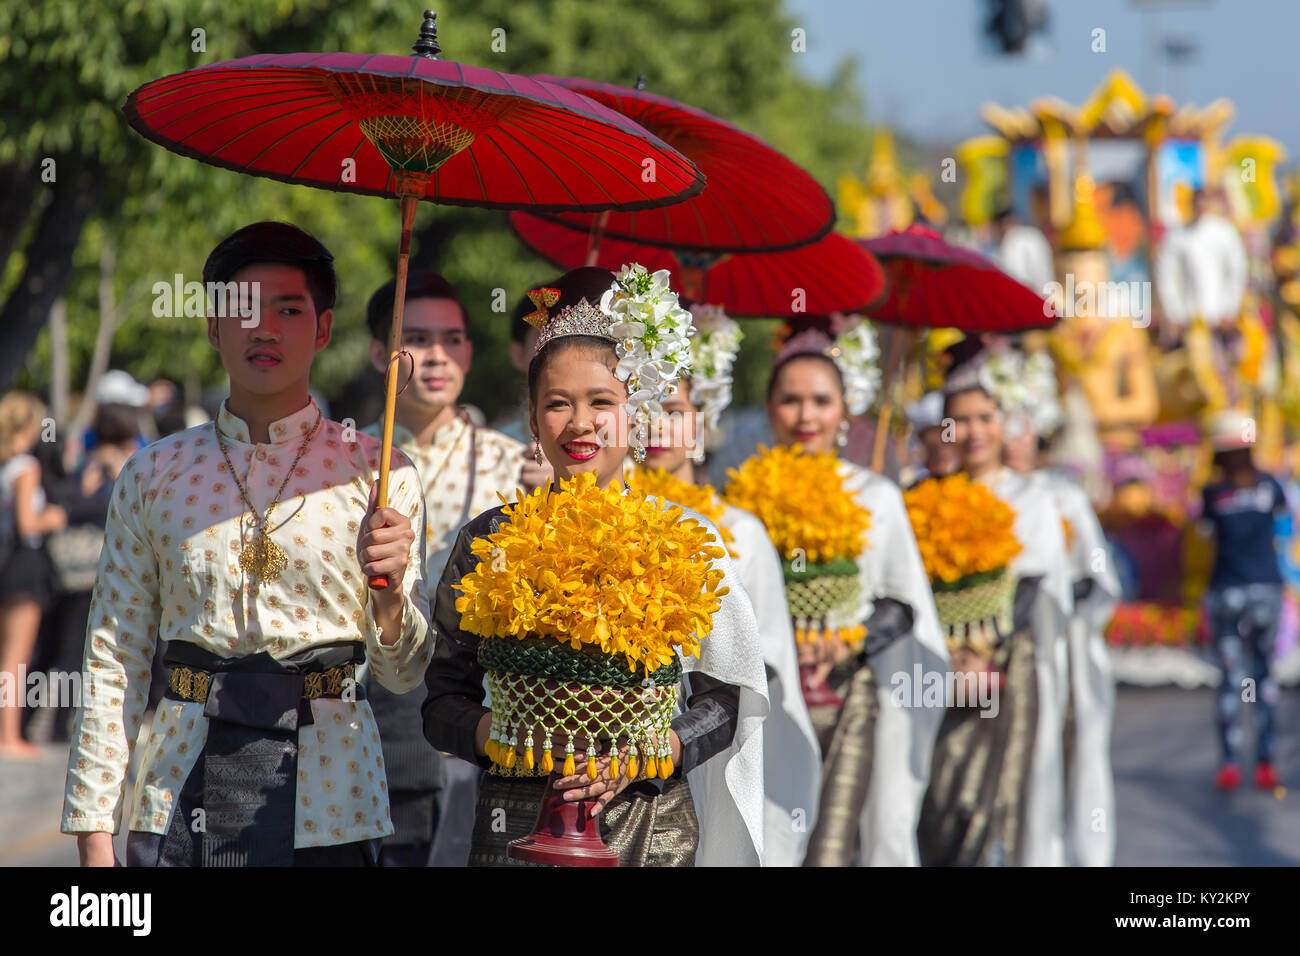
(170, 568)
(444, 467)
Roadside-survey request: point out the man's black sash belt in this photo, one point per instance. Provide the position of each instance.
(237, 806)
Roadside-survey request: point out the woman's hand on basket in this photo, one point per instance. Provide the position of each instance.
(580, 786)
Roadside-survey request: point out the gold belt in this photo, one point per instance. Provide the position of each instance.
(192, 685)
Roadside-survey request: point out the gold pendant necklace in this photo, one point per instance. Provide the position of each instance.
(262, 559)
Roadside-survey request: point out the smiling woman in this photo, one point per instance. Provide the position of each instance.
(576, 402)
(608, 353)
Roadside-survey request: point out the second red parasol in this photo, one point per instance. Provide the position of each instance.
(833, 274)
(933, 285)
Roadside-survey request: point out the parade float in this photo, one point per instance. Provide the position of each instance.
(1113, 185)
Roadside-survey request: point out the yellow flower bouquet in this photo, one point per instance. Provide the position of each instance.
(966, 537)
(818, 529)
(657, 483)
(584, 598)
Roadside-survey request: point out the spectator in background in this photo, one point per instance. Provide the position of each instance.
(1023, 251)
(523, 339)
(85, 496)
(167, 406)
(939, 449)
(1201, 270)
(25, 571)
(1245, 595)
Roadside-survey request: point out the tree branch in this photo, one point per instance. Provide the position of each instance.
(49, 261)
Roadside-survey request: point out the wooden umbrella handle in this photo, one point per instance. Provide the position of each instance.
(597, 236)
(380, 582)
(886, 408)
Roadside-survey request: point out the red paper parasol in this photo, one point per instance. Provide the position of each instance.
(835, 274)
(933, 284)
(756, 198)
(414, 127)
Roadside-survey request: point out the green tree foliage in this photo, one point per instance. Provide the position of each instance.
(66, 67)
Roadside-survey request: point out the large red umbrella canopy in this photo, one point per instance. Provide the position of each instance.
(756, 199)
(416, 127)
(833, 274)
(934, 284)
(353, 122)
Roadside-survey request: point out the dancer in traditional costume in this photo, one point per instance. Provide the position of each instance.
(667, 790)
(1090, 784)
(247, 544)
(996, 793)
(463, 468)
(791, 754)
(877, 746)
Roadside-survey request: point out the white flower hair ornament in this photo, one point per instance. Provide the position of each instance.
(857, 354)
(1024, 388)
(1001, 374)
(713, 355)
(1045, 414)
(652, 335)
(854, 351)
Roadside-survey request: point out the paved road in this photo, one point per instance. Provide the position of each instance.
(1165, 754)
(1164, 757)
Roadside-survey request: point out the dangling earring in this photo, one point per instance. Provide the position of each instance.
(842, 438)
(537, 451)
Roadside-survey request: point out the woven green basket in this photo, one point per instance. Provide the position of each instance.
(546, 694)
(548, 658)
(978, 599)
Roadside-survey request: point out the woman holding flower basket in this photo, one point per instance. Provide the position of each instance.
(792, 760)
(864, 617)
(1090, 787)
(994, 547)
(587, 608)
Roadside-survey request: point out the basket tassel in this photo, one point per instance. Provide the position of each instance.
(591, 765)
(569, 767)
(631, 762)
(548, 762)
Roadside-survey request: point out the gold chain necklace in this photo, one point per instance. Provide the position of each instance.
(262, 559)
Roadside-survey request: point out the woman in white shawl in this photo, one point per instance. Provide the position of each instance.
(792, 761)
(1090, 785)
(878, 746)
(710, 809)
(997, 787)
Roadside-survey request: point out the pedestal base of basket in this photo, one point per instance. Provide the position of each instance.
(816, 692)
(564, 835)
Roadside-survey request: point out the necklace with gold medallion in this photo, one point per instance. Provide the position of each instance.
(262, 559)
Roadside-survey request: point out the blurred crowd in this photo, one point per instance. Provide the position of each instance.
(56, 480)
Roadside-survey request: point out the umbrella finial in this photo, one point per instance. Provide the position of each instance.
(640, 82)
(427, 44)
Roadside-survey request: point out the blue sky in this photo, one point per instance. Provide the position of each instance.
(925, 67)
